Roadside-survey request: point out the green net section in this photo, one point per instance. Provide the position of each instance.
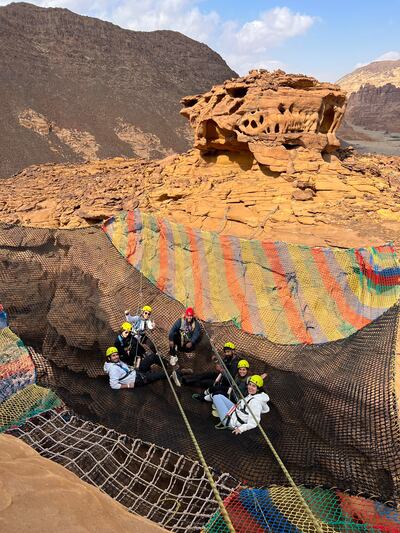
(16, 366)
(26, 403)
(278, 509)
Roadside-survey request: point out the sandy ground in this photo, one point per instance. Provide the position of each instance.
(40, 496)
(379, 142)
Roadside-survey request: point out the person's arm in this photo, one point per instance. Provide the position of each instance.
(128, 316)
(114, 383)
(120, 347)
(251, 423)
(196, 334)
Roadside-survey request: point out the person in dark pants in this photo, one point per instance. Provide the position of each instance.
(123, 376)
(130, 349)
(220, 382)
(141, 325)
(185, 333)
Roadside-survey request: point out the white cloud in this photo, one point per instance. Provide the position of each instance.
(249, 46)
(243, 46)
(387, 56)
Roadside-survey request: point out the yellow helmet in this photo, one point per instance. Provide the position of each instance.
(257, 380)
(111, 350)
(243, 364)
(147, 308)
(229, 345)
(126, 326)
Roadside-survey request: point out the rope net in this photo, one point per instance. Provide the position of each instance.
(157, 483)
(278, 509)
(333, 415)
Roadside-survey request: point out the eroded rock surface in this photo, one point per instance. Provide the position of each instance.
(286, 186)
(265, 110)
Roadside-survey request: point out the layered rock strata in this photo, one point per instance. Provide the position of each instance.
(287, 185)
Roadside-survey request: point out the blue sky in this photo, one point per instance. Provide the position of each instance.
(316, 37)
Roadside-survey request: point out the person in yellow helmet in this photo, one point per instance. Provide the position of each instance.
(142, 324)
(241, 381)
(237, 417)
(123, 376)
(216, 382)
(123, 343)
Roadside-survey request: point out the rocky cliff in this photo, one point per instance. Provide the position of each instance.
(287, 183)
(373, 106)
(74, 88)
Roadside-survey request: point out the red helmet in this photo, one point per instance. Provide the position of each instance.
(189, 311)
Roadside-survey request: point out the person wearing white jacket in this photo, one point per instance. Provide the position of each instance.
(238, 417)
(141, 324)
(123, 376)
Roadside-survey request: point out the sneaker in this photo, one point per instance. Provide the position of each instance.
(198, 397)
(175, 379)
(173, 360)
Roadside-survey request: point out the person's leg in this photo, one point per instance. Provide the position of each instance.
(148, 342)
(205, 379)
(147, 361)
(222, 405)
(136, 349)
(154, 376)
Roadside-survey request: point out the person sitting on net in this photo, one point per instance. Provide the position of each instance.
(185, 333)
(237, 417)
(141, 324)
(125, 344)
(240, 382)
(122, 376)
(220, 383)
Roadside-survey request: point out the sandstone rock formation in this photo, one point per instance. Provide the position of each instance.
(264, 111)
(285, 185)
(39, 495)
(74, 88)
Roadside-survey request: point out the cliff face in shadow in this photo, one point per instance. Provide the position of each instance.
(74, 88)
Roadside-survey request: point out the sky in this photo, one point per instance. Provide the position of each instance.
(314, 37)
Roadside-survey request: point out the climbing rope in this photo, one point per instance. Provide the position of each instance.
(232, 382)
(210, 478)
(203, 462)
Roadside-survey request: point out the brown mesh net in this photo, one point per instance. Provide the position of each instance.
(333, 414)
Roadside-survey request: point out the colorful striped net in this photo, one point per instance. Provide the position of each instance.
(278, 509)
(289, 293)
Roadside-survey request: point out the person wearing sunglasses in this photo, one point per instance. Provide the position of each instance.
(141, 325)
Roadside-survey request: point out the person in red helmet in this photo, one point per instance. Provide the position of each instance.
(185, 333)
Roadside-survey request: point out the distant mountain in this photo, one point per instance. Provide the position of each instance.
(74, 88)
(378, 73)
(372, 119)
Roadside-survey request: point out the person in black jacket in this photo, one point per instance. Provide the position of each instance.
(220, 383)
(185, 333)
